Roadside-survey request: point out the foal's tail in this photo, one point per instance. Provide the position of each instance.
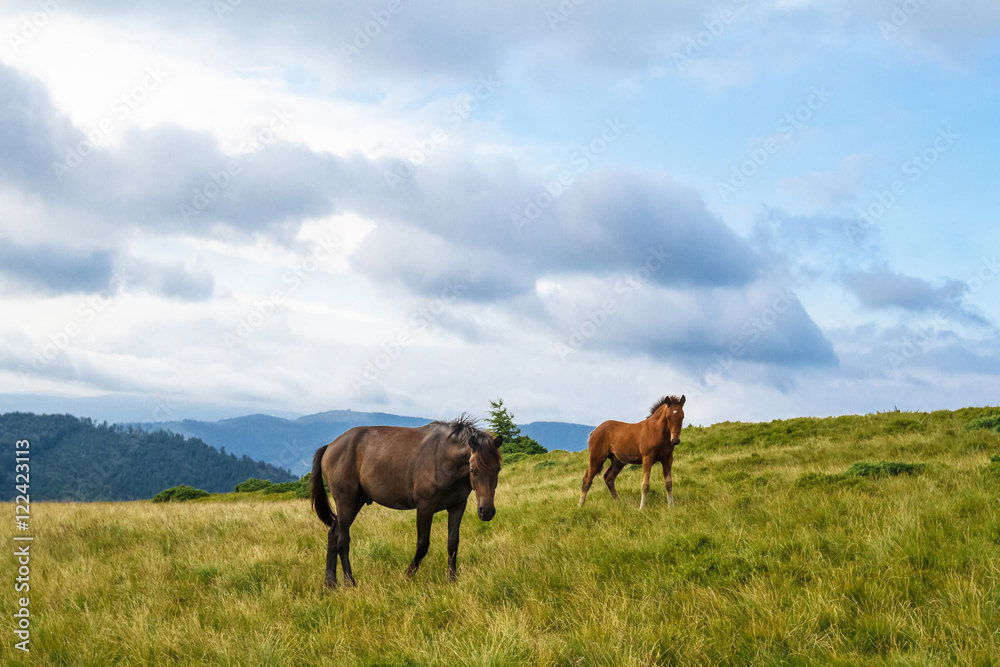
(320, 501)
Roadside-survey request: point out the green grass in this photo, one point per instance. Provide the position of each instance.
(773, 555)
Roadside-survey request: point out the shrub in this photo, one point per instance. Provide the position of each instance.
(522, 444)
(304, 489)
(284, 487)
(990, 423)
(860, 469)
(178, 494)
(884, 469)
(252, 484)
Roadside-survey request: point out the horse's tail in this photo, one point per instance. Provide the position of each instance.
(596, 441)
(320, 501)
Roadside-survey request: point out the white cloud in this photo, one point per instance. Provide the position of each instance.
(844, 185)
(327, 131)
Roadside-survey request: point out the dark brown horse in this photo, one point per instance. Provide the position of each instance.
(429, 469)
(651, 440)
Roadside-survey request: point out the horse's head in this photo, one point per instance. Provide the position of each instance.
(671, 410)
(484, 471)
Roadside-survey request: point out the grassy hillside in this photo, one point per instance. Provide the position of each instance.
(772, 555)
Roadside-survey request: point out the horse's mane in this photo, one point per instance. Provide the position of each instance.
(666, 400)
(485, 455)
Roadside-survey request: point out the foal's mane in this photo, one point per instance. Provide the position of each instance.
(485, 455)
(669, 401)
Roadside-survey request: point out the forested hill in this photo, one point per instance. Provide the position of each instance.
(77, 459)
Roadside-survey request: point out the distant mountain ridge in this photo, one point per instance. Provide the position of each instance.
(361, 418)
(290, 443)
(72, 459)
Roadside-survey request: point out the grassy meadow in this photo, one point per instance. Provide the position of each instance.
(773, 555)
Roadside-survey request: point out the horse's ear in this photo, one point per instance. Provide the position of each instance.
(683, 398)
(477, 442)
(498, 441)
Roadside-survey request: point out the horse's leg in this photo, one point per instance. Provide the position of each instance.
(331, 555)
(617, 465)
(647, 467)
(347, 511)
(424, 518)
(668, 480)
(596, 463)
(455, 515)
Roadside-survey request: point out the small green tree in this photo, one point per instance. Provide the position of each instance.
(502, 423)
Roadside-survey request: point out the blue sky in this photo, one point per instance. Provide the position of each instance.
(778, 208)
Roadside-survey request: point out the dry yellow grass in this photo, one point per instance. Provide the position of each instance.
(758, 563)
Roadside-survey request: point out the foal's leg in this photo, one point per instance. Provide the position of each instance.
(668, 480)
(647, 466)
(424, 518)
(454, 522)
(617, 465)
(588, 477)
